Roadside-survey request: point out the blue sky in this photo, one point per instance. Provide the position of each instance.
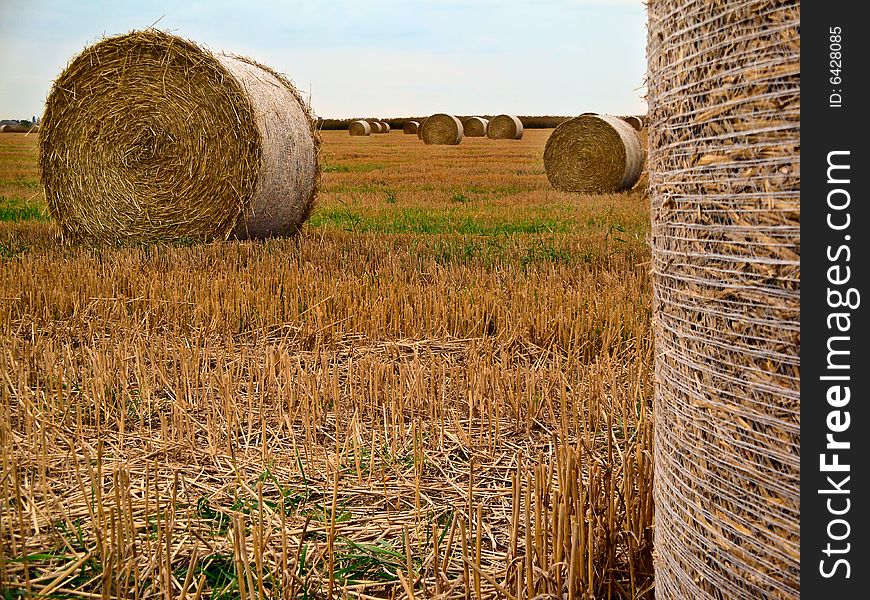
(378, 58)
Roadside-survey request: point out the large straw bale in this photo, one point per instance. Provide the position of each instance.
(410, 127)
(475, 126)
(442, 129)
(724, 167)
(594, 154)
(147, 136)
(385, 127)
(359, 128)
(376, 126)
(505, 127)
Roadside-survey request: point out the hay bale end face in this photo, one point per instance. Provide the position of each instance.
(410, 127)
(442, 129)
(124, 157)
(505, 127)
(724, 169)
(475, 127)
(359, 128)
(595, 154)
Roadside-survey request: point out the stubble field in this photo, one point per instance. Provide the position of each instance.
(441, 388)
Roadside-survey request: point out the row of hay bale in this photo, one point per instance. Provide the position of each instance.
(367, 127)
(13, 128)
(595, 154)
(446, 129)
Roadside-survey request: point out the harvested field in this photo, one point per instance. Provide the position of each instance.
(441, 387)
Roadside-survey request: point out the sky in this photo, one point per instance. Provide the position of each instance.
(366, 58)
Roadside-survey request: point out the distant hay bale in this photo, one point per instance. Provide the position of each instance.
(420, 127)
(475, 127)
(635, 122)
(595, 154)
(359, 128)
(724, 94)
(505, 127)
(149, 137)
(376, 126)
(410, 127)
(442, 129)
(12, 128)
(385, 127)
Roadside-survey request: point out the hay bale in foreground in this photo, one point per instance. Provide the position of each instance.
(359, 128)
(505, 127)
(410, 127)
(124, 158)
(475, 126)
(442, 128)
(595, 154)
(724, 165)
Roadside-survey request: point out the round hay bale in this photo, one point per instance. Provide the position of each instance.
(724, 165)
(596, 154)
(475, 126)
(442, 129)
(385, 127)
(420, 127)
(505, 127)
(149, 137)
(635, 122)
(359, 128)
(376, 126)
(410, 127)
(12, 128)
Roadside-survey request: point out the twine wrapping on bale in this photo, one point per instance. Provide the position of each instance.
(505, 127)
(595, 154)
(359, 128)
(410, 127)
(442, 129)
(724, 165)
(475, 126)
(147, 137)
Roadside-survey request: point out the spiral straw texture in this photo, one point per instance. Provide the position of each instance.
(410, 127)
(724, 167)
(148, 137)
(593, 154)
(442, 129)
(359, 128)
(475, 127)
(505, 127)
